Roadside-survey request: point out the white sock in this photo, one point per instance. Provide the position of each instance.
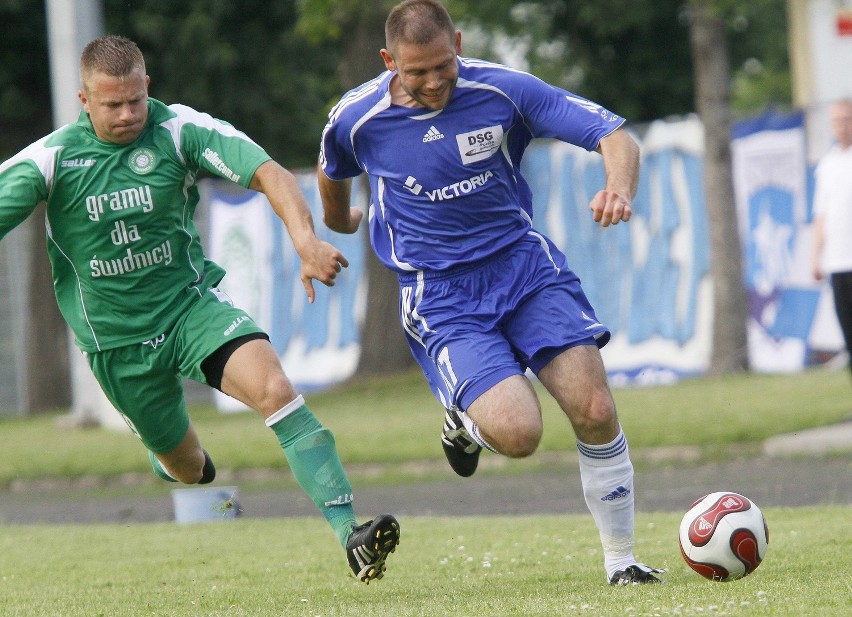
(607, 476)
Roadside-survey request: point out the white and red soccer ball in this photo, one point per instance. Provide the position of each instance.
(723, 536)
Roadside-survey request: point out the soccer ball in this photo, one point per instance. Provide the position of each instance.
(723, 536)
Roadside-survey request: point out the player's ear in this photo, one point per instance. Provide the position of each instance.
(388, 59)
(81, 94)
(458, 42)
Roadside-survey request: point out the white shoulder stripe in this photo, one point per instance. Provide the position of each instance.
(367, 89)
(187, 115)
(465, 83)
(374, 110)
(484, 64)
(42, 156)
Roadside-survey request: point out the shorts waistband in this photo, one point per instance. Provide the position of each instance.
(437, 275)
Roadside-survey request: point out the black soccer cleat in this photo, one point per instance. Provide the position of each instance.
(369, 545)
(461, 450)
(637, 574)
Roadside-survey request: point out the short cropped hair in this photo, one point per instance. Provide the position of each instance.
(116, 56)
(417, 22)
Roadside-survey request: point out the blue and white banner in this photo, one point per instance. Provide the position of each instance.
(649, 279)
(791, 315)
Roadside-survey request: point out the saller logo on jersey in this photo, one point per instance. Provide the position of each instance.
(480, 144)
(213, 158)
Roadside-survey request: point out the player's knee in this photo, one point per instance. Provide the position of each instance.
(275, 392)
(599, 413)
(521, 440)
(192, 470)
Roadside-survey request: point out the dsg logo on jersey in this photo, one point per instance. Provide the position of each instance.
(480, 144)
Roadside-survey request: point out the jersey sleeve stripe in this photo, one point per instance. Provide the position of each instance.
(187, 115)
(368, 89)
(42, 156)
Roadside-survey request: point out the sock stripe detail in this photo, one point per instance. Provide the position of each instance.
(606, 451)
(285, 411)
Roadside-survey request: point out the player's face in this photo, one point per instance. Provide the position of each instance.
(427, 73)
(117, 106)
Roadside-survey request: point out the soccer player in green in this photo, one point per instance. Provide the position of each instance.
(132, 281)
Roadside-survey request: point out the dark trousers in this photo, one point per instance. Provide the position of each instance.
(841, 283)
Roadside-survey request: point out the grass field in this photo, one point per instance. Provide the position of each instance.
(522, 566)
(500, 566)
(394, 421)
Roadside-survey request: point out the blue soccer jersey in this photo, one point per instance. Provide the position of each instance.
(446, 187)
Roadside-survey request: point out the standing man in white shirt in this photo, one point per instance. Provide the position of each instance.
(832, 245)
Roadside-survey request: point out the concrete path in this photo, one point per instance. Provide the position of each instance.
(807, 468)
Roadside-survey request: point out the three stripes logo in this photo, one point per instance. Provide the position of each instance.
(616, 494)
(363, 556)
(432, 134)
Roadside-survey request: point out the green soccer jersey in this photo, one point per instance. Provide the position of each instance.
(126, 256)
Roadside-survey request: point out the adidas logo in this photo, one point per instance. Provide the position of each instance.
(432, 134)
(616, 494)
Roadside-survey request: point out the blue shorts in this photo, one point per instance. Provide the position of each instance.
(473, 326)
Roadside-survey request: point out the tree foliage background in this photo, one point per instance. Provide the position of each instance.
(239, 61)
(273, 68)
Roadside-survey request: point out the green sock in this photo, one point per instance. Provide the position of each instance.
(158, 468)
(313, 458)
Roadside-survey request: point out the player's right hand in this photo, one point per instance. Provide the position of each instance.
(321, 261)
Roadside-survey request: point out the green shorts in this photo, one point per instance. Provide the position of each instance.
(143, 381)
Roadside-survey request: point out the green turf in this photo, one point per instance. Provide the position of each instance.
(393, 421)
(501, 566)
(524, 566)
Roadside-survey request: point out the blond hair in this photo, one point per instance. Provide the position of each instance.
(116, 56)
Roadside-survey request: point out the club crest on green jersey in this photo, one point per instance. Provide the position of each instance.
(142, 161)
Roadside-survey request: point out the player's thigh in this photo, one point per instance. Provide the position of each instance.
(143, 386)
(509, 416)
(577, 379)
(253, 375)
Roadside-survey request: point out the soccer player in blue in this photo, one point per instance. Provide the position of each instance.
(483, 295)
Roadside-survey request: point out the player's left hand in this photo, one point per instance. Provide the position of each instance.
(321, 261)
(610, 208)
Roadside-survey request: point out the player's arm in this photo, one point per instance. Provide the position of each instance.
(22, 188)
(621, 163)
(319, 260)
(336, 195)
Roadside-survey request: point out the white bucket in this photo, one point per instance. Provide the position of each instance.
(197, 505)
